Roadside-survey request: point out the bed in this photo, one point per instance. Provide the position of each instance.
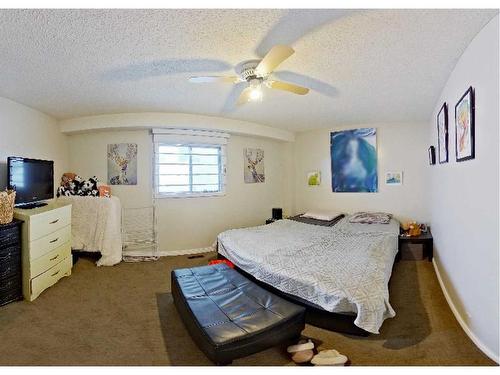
(340, 271)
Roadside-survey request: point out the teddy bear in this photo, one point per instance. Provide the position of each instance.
(66, 178)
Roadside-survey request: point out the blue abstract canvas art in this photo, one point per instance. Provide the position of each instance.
(354, 160)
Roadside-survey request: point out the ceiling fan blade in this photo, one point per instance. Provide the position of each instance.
(273, 58)
(244, 96)
(231, 102)
(285, 86)
(211, 79)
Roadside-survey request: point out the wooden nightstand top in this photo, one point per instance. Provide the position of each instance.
(423, 237)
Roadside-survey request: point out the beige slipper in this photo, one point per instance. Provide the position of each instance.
(302, 352)
(329, 358)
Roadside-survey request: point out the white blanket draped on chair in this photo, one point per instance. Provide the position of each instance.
(96, 227)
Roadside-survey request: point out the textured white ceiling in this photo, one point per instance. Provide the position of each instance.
(365, 65)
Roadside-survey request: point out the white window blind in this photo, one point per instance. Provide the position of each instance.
(189, 163)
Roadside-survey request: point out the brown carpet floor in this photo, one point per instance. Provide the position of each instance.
(124, 315)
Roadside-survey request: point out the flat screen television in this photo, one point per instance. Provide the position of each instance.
(32, 179)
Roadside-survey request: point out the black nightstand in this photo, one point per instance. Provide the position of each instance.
(269, 221)
(425, 239)
(10, 262)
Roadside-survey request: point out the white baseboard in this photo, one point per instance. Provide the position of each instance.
(186, 252)
(461, 321)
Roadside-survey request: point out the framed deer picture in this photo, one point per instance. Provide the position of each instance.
(254, 165)
(122, 164)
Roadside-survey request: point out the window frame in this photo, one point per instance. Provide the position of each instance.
(190, 194)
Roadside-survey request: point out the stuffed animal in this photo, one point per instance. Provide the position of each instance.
(414, 229)
(104, 191)
(62, 190)
(65, 189)
(86, 188)
(66, 178)
(78, 186)
(94, 191)
(78, 181)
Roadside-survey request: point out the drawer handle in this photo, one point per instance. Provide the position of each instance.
(55, 273)
(54, 258)
(55, 221)
(54, 240)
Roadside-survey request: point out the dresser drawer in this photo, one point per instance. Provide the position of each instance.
(9, 236)
(50, 242)
(14, 249)
(10, 289)
(50, 277)
(10, 284)
(10, 265)
(49, 260)
(48, 222)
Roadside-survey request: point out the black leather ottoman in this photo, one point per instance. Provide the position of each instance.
(229, 316)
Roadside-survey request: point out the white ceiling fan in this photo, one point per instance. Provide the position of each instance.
(257, 73)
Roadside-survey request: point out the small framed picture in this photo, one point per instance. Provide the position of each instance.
(394, 178)
(442, 128)
(464, 126)
(432, 155)
(314, 178)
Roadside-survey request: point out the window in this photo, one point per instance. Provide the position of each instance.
(189, 169)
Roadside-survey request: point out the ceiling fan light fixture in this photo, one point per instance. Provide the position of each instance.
(256, 94)
(257, 73)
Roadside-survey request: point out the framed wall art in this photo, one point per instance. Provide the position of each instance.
(432, 155)
(464, 126)
(394, 178)
(122, 164)
(314, 178)
(254, 165)
(354, 160)
(442, 128)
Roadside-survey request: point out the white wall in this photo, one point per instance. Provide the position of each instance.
(463, 197)
(190, 223)
(400, 147)
(29, 133)
(88, 157)
(148, 120)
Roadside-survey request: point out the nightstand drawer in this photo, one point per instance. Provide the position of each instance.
(50, 242)
(10, 289)
(48, 222)
(6, 252)
(9, 236)
(10, 265)
(49, 260)
(50, 277)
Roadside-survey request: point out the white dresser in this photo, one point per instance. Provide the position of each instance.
(46, 246)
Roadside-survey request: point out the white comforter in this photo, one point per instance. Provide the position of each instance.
(344, 268)
(96, 227)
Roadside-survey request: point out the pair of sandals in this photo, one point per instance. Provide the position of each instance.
(303, 352)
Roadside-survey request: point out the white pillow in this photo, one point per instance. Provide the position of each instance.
(321, 215)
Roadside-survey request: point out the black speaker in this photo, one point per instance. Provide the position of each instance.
(277, 213)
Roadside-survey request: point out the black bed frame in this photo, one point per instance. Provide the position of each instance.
(315, 315)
